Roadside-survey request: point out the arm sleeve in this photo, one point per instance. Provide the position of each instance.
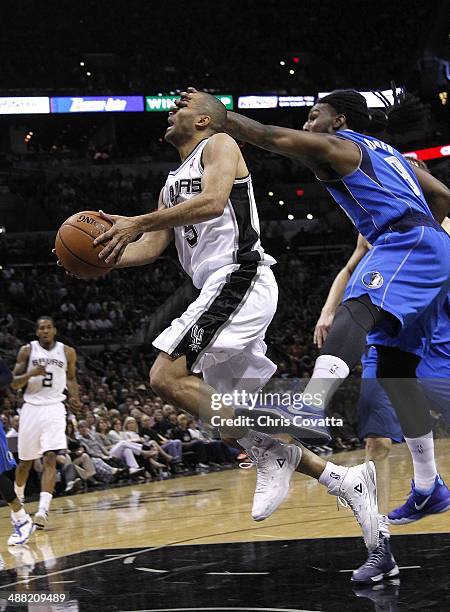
(5, 374)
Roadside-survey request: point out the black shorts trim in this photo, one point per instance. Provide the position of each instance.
(201, 334)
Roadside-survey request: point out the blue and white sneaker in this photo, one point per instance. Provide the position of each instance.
(380, 564)
(22, 531)
(419, 505)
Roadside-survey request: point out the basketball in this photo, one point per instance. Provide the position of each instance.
(74, 244)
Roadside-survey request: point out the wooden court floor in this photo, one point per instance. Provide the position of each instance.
(208, 509)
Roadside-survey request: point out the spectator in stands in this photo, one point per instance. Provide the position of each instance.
(189, 443)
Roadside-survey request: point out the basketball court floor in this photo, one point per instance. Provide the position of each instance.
(190, 544)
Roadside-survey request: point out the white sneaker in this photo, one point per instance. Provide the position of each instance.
(276, 463)
(23, 529)
(41, 519)
(358, 490)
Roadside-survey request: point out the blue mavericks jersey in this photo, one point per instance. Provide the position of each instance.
(441, 334)
(380, 191)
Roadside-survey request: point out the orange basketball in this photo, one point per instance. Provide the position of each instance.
(74, 244)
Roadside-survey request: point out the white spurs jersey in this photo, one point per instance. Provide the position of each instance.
(231, 238)
(48, 389)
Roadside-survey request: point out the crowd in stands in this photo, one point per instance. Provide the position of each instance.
(139, 47)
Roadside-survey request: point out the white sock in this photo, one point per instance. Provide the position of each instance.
(329, 372)
(44, 501)
(19, 515)
(20, 491)
(328, 366)
(332, 474)
(425, 471)
(383, 523)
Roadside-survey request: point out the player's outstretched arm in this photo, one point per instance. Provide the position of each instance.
(436, 193)
(337, 290)
(318, 152)
(220, 160)
(20, 375)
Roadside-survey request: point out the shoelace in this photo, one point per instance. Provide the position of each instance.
(375, 556)
(263, 473)
(348, 504)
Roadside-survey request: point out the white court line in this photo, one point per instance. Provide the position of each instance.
(227, 609)
(78, 567)
(129, 560)
(149, 569)
(400, 568)
(237, 573)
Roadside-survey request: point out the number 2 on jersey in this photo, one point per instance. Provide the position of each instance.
(47, 381)
(398, 167)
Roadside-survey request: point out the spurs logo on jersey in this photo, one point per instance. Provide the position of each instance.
(229, 239)
(48, 389)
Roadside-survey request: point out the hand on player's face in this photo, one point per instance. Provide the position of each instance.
(185, 97)
(123, 231)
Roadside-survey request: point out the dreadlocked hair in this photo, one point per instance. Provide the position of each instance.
(352, 105)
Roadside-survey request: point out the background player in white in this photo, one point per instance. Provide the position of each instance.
(45, 368)
(209, 202)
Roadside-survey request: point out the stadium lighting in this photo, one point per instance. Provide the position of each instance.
(88, 73)
(81, 63)
(280, 202)
(290, 217)
(2, 229)
(282, 63)
(309, 216)
(291, 71)
(271, 193)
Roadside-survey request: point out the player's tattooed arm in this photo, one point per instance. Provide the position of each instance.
(220, 160)
(72, 384)
(337, 291)
(20, 375)
(436, 193)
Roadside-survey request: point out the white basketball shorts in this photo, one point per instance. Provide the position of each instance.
(41, 429)
(222, 331)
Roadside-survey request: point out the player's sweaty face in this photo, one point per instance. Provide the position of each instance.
(320, 120)
(46, 331)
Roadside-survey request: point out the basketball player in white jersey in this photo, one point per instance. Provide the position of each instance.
(45, 368)
(208, 204)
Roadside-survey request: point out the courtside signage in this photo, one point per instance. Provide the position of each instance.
(430, 153)
(97, 104)
(257, 101)
(163, 103)
(24, 105)
(373, 100)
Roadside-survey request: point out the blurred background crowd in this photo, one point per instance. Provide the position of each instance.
(52, 166)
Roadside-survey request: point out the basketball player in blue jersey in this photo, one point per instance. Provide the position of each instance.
(23, 526)
(400, 287)
(377, 421)
(208, 206)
